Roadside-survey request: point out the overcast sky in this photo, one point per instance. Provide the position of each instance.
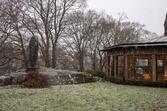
(151, 13)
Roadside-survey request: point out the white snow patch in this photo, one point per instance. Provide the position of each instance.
(48, 71)
(51, 71)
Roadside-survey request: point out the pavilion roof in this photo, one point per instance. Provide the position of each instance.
(156, 42)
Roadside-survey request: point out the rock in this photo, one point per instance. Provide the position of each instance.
(17, 78)
(5, 80)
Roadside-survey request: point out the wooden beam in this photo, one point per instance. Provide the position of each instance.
(126, 66)
(108, 66)
(115, 66)
(154, 77)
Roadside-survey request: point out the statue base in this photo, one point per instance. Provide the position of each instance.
(32, 69)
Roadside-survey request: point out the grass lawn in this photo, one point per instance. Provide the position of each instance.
(99, 96)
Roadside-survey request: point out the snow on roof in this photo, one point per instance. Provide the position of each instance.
(158, 41)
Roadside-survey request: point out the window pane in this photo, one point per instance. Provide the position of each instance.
(162, 67)
(139, 71)
(159, 63)
(143, 70)
(141, 62)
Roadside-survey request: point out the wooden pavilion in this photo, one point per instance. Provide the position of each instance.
(144, 61)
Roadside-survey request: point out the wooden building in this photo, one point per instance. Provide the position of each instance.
(145, 61)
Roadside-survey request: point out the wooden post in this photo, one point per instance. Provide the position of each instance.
(154, 77)
(126, 66)
(115, 66)
(109, 67)
(106, 64)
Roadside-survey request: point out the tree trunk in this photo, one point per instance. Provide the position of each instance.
(94, 61)
(47, 61)
(54, 58)
(81, 61)
(81, 65)
(101, 61)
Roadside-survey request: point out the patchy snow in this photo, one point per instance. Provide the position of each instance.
(158, 39)
(51, 71)
(17, 73)
(56, 77)
(48, 71)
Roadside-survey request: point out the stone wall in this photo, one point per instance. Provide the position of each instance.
(60, 79)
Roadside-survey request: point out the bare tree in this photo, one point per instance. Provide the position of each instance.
(106, 32)
(49, 19)
(77, 31)
(98, 38)
(39, 14)
(61, 9)
(12, 25)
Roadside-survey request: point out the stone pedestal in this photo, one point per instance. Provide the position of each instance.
(32, 69)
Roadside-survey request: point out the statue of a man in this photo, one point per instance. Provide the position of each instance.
(33, 53)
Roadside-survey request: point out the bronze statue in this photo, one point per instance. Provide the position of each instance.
(33, 54)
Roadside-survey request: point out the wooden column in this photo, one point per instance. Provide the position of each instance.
(106, 64)
(154, 62)
(115, 66)
(126, 66)
(108, 67)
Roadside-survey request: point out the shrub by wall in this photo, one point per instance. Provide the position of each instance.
(139, 82)
(34, 79)
(96, 73)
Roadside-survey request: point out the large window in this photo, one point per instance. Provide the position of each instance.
(139, 67)
(143, 69)
(162, 67)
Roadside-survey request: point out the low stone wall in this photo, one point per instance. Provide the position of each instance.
(70, 79)
(5, 80)
(61, 79)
